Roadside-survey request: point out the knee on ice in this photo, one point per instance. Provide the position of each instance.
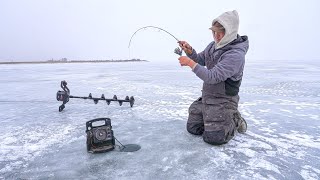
(214, 137)
(195, 129)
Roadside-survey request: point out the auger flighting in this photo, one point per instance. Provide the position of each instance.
(177, 50)
(64, 96)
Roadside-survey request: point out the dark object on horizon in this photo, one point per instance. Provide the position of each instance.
(71, 61)
(64, 96)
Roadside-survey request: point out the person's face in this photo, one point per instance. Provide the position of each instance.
(217, 35)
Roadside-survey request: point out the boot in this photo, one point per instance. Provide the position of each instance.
(242, 128)
(242, 125)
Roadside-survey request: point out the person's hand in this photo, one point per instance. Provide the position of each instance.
(185, 61)
(186, 47)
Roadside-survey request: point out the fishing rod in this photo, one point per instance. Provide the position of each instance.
(177, 50)
(64, 96)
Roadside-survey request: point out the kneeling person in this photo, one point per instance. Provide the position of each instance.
(215, 114)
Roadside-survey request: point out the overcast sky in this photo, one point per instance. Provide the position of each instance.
(101, 29)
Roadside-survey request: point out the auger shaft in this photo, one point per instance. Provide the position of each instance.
(65, 96)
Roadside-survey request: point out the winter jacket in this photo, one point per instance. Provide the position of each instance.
(224, 61)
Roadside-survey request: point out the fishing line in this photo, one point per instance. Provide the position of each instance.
(30, 101)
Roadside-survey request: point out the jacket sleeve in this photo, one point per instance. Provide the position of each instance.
(231, 62)
(198, 58)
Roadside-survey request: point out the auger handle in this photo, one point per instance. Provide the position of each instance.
(64, 86)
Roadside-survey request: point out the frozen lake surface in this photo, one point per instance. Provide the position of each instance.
(279, 100)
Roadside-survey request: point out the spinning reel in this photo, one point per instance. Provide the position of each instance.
(64, 96)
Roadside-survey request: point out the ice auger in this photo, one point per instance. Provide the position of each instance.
(64, 96)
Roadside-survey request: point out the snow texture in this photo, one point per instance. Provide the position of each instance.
(279, 100)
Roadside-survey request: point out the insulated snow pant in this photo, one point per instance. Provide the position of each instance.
(216, 119)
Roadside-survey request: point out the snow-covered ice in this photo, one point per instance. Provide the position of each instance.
(280, 101)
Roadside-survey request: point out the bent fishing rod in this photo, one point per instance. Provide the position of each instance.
(177, 50)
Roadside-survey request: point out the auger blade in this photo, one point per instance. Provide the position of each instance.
(95, 101)
(131, 101)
